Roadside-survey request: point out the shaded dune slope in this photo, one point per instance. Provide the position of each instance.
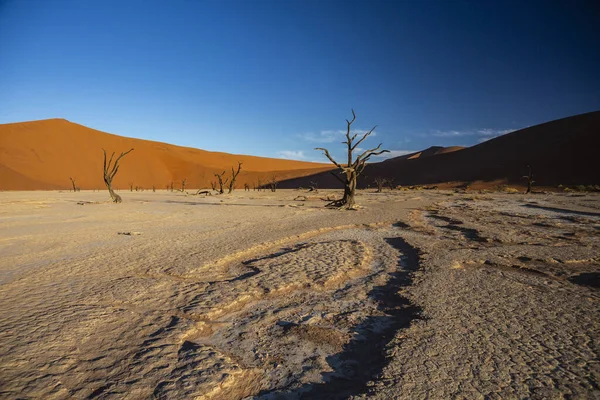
(560, 152)
(44, 154)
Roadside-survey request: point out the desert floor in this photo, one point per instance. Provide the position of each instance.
(422, 294)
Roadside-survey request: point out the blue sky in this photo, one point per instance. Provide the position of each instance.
(278, 78)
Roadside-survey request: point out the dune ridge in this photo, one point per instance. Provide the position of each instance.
(560, 152)
(42, 155)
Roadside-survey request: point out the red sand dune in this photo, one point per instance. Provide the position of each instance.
(564, 151)
(44, 154)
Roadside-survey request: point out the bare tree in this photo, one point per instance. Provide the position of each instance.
(354, 167)
(213, 185)
(273, 183)
(153, 188)
(390, 183)
(313, 186)
(183, 182)
(131, 186)
(258, 184)
(234, 175)
(171, 186)
(221, 181)
(380, 182)
(73, 183)
(530, 180)
(246, 187)
(110, 170)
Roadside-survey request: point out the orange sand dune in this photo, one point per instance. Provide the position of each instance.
(44, 154)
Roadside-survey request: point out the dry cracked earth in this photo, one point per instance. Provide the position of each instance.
(417, 295)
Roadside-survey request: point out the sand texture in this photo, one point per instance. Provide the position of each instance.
(415, 295)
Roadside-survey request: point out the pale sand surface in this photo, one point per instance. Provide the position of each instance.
(417, 295)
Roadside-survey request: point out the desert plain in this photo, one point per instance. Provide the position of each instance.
(424, 294)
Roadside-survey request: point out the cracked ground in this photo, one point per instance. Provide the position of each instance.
(415, 295)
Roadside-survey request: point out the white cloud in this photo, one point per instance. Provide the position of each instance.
(291, 154)
(330, 136)
(450, 133)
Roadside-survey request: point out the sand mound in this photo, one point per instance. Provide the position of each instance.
(44, 154)
(560, 152)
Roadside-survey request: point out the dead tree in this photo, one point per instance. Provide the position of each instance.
(183, 182)
(258, 184)
(213, 185)
(313, 186)
(530, 180)
(131, 186)
(273, 183)
(390, 183)
(380, 182)
(221, 181)
(234, 175)
(171, 186)
(73, 183)
(153, 188)
(246, 187)
(354, 167)
(110, 170)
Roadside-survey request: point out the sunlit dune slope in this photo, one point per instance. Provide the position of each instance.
(563, 151)
(44, 154)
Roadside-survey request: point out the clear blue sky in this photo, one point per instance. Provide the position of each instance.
(278, 78)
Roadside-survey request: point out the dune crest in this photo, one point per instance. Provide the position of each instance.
(560, 152)
(40, 155)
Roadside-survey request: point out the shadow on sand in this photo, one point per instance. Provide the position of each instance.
(364, 357)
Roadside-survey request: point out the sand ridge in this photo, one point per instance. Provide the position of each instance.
(40, 155)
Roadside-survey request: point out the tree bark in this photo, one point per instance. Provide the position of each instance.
(110, 170)
(115, 197)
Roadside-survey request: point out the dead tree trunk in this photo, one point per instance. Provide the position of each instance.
(380, 182)
(390, 183)
(273, 184)
(234, 175)
(246, 187)
(353, 168)
(110, 170)
(530, 180)
(221, 181)
(73, 183)
(183, 182)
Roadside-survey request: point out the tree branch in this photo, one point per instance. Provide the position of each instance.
(326, 152)
(364, 154)
(115, 165)
(104, 161)
(364, 137)
(375, 153)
